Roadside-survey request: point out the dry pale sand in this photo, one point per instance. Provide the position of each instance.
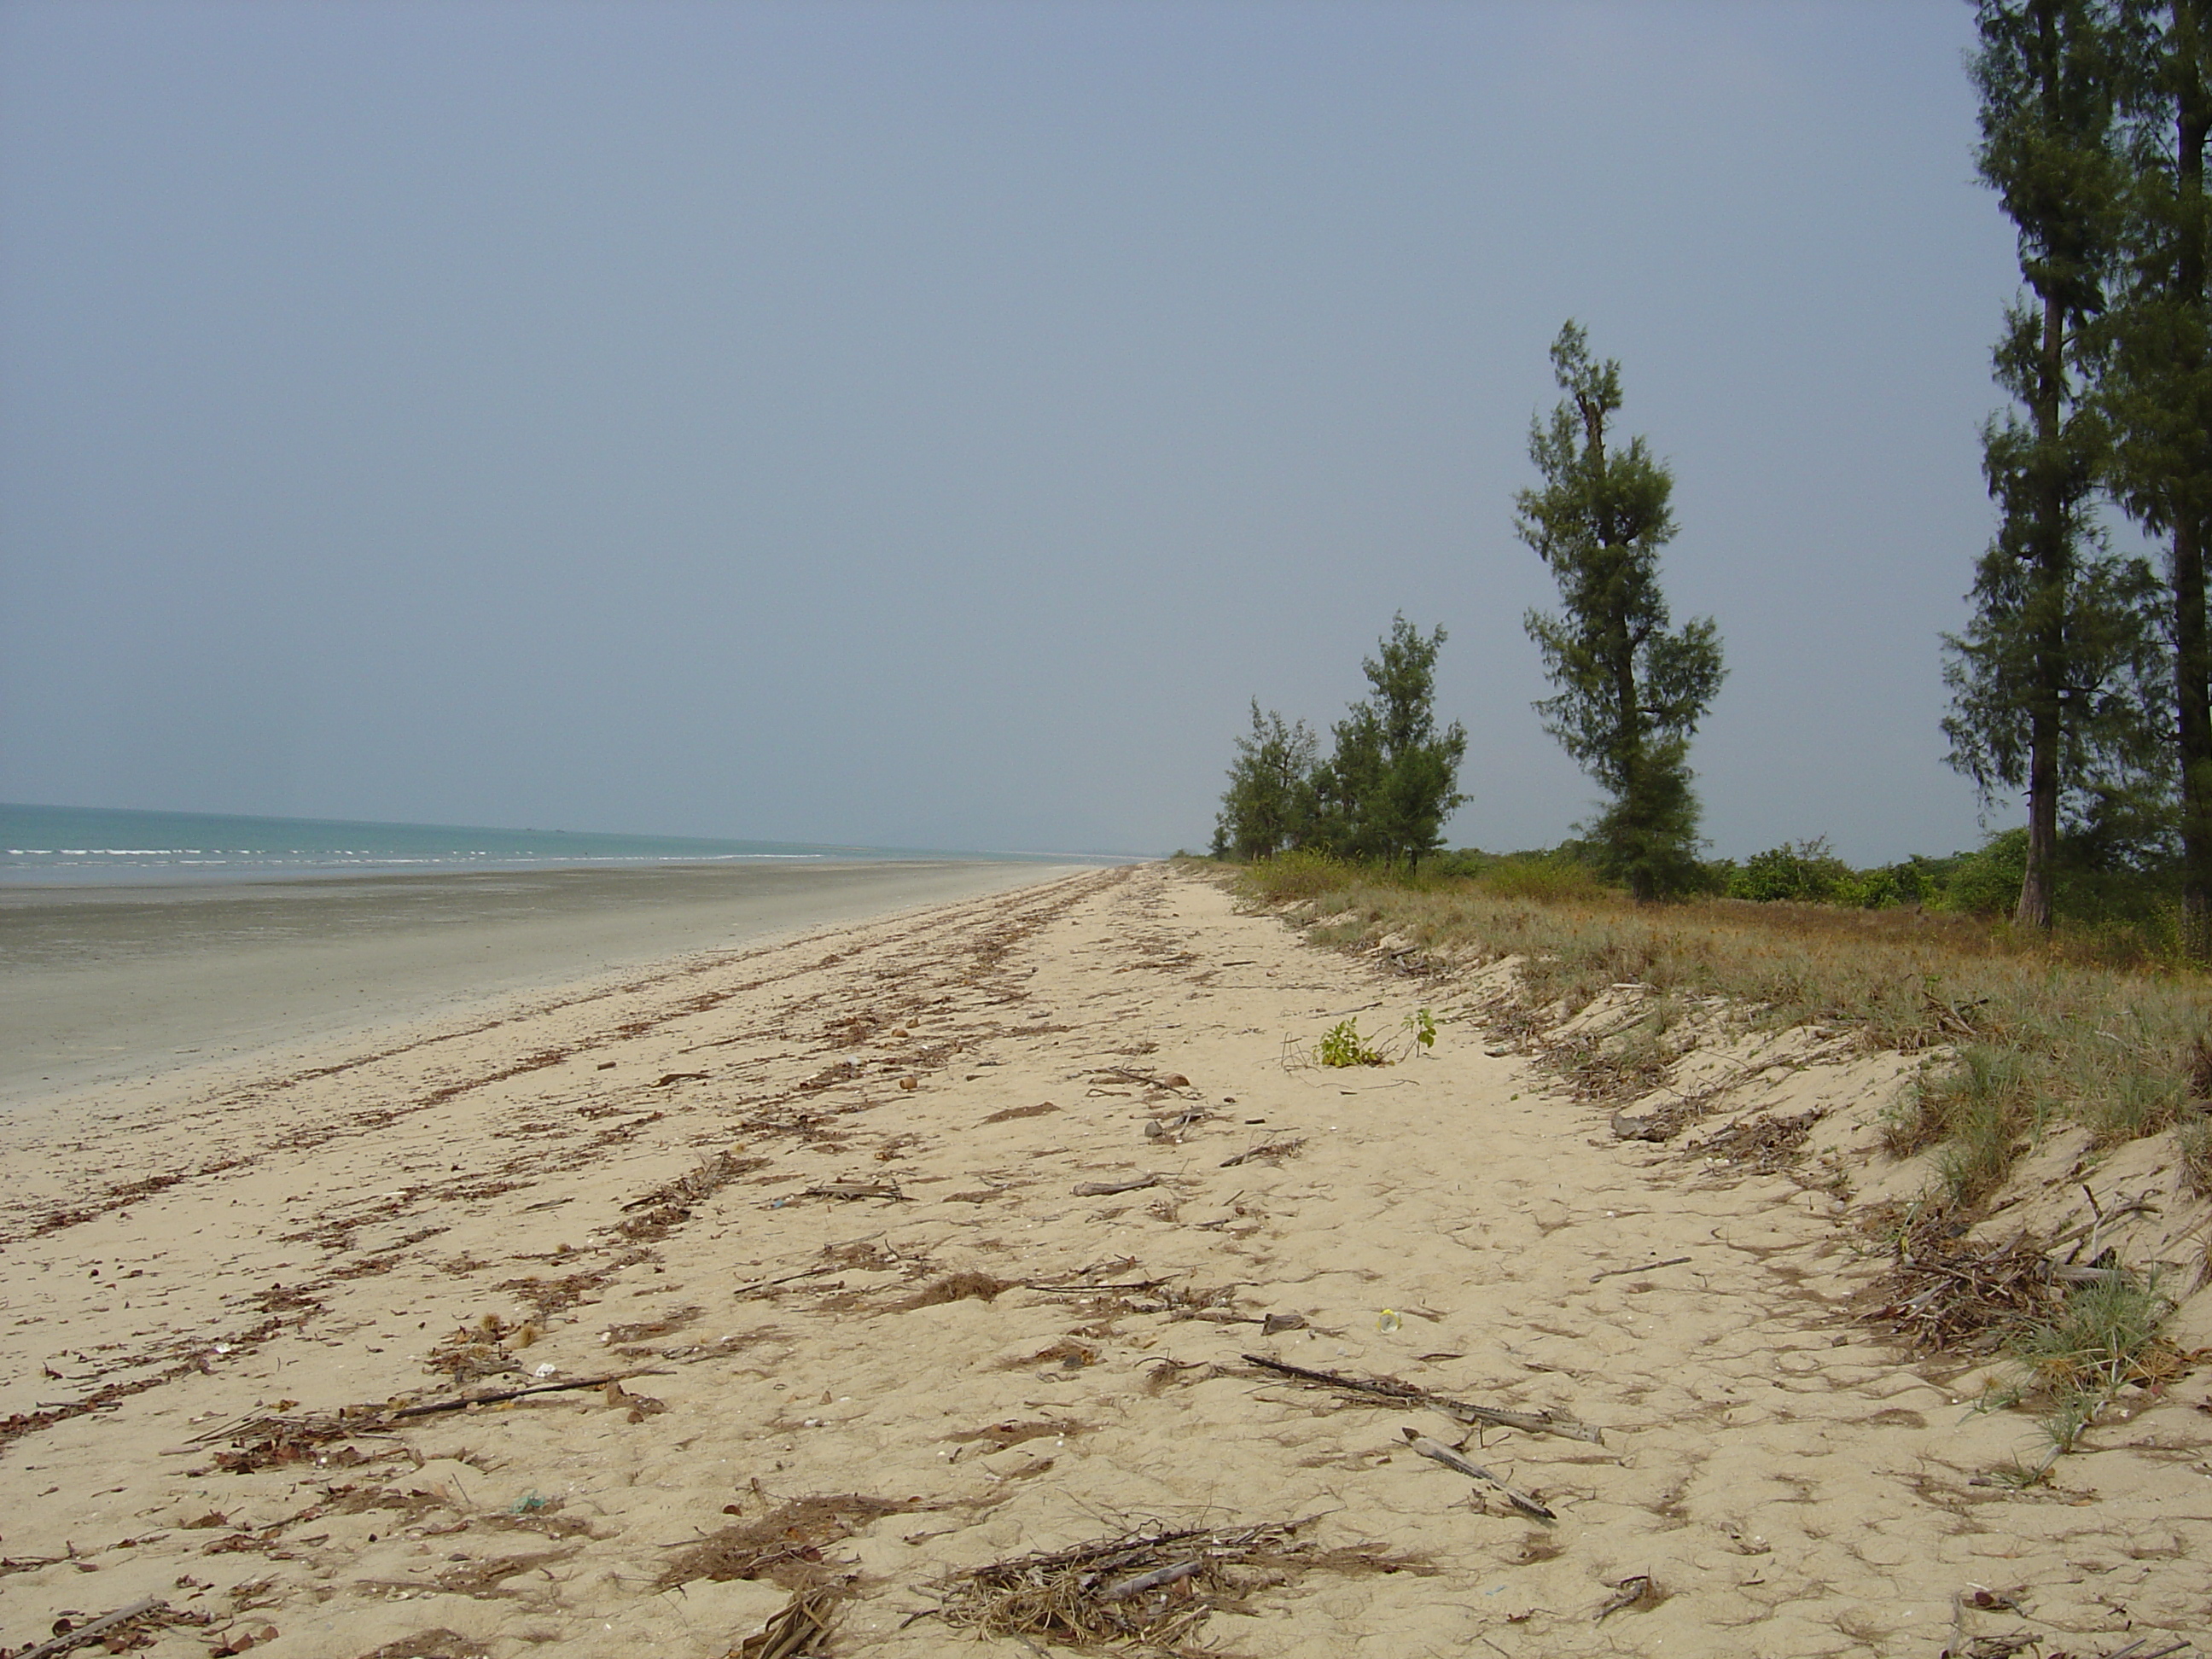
(605, 1179)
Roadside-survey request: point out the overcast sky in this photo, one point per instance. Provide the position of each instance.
(929, 423)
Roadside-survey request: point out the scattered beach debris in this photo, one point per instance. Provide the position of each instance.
(1765, 1142)
(263, 1442)
(852, 1189)
(1645, 1267)
(1949, 1295)
(1638, 1591)
(94, 1629)
(1013, 1112)
(1437, 1452)
(1150, 1590)
(1271, 1151)
(800, 1628)
(1108, 1188)
(785, 1545)
(1391, 1390)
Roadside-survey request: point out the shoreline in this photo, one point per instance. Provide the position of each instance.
(113, 986)
(922, 1243)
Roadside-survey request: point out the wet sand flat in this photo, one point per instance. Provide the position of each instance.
(121, 984)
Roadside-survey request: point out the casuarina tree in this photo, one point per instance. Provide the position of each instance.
(2053, 680)
(1269, 803)
(1393, 779)
(1630, 688)
(2157, 383)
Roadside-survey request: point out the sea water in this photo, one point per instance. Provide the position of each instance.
(71, 846)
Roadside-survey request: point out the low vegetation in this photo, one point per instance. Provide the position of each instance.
(2027, 1032)
(2089, 1026)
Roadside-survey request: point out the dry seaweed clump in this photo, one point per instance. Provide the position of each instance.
(785, 1545)
(1149, 1591)
(958, 1287)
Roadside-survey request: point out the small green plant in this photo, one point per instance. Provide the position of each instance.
(2018, 1476)
(1421, 1026)
(1342, 1045)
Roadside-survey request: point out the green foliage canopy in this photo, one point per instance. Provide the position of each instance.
(1630, 688)
(1393, 777)
(2056, 681)
(1269, 804)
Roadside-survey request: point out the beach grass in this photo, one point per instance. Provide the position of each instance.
(2081, 1027)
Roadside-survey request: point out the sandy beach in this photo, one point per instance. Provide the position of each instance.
(921, 1243)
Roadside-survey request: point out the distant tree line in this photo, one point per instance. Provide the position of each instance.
(2082, 681)
(1390, 781)
(1629, 688)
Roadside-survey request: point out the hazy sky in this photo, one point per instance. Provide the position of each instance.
(929, 423)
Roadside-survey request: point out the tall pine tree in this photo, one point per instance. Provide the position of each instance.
(2158, 385)
(1631, 690)
(2049, 680)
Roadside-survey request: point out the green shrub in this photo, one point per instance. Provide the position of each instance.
(1295, 876)
(1342, 1045)
(1548, 878)
(1986, 881)
(1805, 872)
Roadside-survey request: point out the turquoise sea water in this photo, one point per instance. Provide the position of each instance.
(70, 846)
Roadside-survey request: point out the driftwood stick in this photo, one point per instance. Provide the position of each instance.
(1086, 1290)
(1407, 1393)
(504, 1395)
(91, 1630)
(1107, 1188)
(2142, 1205)
(1615, 1273)
(787, 1279)
(1152, 1580)
(857, 1190)
(1270, 1149)
(1437, 1452)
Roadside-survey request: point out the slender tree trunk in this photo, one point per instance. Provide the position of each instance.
(2193, 650)
(2192, 655)
(2047, 586)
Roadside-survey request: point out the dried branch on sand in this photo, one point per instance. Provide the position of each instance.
(1396, 1392)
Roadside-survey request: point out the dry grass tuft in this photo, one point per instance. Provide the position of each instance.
(2194, 1142)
